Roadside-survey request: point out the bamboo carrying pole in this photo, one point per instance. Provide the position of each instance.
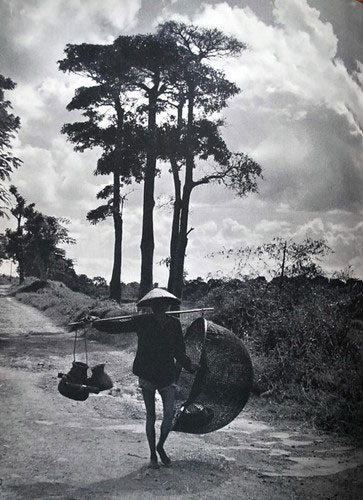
(130, 316)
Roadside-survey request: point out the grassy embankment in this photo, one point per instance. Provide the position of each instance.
(63, 305)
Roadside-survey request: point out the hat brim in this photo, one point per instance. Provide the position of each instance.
(167, 300)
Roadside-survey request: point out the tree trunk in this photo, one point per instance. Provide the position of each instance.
(147, 239)
(20, 254)
(21, 271)
(115, 284)
(182, 244)
(175, 228)
(185, 202)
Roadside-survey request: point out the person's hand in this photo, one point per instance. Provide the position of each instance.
(89, 319)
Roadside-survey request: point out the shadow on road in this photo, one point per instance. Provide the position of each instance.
(183, 478)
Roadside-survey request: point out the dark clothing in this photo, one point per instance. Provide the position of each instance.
(159, 343)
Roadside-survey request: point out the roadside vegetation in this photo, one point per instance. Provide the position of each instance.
(302, 337)
(302, 329)
(301, 333)
(64, 305)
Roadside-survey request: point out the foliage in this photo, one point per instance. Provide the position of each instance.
(301, 335)
(136, 79)
(9, 125)
(34, 243)
(111, 124)
(62, 270)
(279, 257)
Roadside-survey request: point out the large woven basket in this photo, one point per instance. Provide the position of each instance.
(220, 390)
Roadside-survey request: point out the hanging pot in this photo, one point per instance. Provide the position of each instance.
(78, 373)
(77, 392)
(100, 378)
(74, 385)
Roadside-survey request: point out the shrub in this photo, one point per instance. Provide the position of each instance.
(299, 329)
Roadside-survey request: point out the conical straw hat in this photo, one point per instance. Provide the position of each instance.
(158, 294)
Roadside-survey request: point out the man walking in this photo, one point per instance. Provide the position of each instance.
(160, 343)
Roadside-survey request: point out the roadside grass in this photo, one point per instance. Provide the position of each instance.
(64, 306)
(306, 358)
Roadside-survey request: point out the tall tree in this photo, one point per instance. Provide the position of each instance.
(15, 245)
(152, 56)
(43, 235)
(100, 214)
(118, 133)
(35, 240)
(202, 91)
(9, 125)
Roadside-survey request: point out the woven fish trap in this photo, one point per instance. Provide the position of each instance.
(215, 396)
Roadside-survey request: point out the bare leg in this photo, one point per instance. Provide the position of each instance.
(168, 397)
(149, 400)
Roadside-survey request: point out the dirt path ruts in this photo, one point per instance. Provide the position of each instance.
(53, 447)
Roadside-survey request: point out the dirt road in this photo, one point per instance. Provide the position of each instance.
(53, 447)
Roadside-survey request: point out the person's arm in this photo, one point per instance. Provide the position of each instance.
(179, 352)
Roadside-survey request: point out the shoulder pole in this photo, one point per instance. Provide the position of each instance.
(130, 316)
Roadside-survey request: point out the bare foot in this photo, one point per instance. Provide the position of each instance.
(153, 464)
(163, 456)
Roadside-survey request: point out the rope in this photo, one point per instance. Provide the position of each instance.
(74, 346)
(85, 345)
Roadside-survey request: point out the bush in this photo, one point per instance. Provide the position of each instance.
(299, 330)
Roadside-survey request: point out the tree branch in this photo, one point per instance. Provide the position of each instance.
(212, 177)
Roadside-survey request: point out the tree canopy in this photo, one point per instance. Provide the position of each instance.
(157, 96)
(9, 125)
(110, 124)
(36, 238)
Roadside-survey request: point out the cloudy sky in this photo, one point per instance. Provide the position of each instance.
(300, 115)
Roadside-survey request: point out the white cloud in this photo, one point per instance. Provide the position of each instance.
(297, 16)
(56, 89)
(37, 178)
(28, 104)
(71, 19)
(297, 57)
(300, 112)
(272, 226)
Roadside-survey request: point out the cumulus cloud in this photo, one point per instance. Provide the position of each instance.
(295, 56)
(72, 20)
(300, 112)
